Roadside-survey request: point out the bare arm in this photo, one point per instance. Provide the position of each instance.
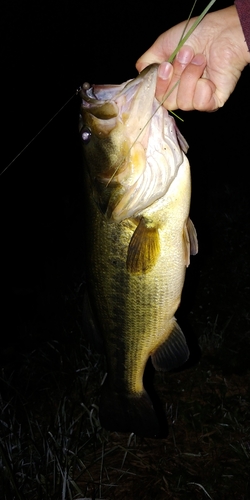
(208, 67)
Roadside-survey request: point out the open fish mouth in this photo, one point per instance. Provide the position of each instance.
(147, 148)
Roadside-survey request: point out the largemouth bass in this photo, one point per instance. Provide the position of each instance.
(140, 237)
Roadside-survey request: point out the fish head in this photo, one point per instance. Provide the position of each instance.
(131, 145)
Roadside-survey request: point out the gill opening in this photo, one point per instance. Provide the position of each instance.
(141, 131)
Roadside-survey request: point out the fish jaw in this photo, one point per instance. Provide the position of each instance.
(132, 101)
(137, 140)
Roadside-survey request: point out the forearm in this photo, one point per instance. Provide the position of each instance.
(243, 10)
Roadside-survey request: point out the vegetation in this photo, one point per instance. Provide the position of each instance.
(52, 445)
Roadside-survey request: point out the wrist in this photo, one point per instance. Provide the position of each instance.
(242, 8)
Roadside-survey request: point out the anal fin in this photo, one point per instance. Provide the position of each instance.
(173, 352)
(144, 248)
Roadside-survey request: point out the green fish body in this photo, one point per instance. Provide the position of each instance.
(140, 237)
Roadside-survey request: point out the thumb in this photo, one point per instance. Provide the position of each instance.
(152, 55)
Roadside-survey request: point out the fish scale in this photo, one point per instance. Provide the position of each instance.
(135, 266)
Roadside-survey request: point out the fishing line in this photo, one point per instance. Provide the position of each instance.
(171, 58)
(41, 130)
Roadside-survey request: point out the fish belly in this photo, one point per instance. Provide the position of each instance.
(135, 312)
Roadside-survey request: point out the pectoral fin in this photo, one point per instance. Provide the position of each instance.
(173, 352)
(190, 241)
(144, 248)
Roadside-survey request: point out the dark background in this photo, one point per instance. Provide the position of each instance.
(49, 49)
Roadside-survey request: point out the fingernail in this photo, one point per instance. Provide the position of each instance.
(198, 60)
(165, 70)
(185, 55)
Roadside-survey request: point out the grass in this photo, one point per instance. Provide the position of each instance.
(52, 445)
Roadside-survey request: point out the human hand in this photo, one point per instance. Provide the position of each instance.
(208, 68)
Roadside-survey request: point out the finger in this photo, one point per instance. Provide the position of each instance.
(182, 59)
(148, 58)
(161, 49)
(205, 96)
(188, 83)
(165, 73)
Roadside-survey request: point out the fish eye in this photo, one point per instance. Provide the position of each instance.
(85, 135)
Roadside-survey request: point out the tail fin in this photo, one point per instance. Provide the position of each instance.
(128, 413)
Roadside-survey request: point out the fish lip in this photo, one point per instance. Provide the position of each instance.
(151, 67)
(94, 97)
(147, 72)
(105, 106)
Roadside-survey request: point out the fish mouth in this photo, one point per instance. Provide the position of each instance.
(104, 101)
(131, 102)
(143, 153)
